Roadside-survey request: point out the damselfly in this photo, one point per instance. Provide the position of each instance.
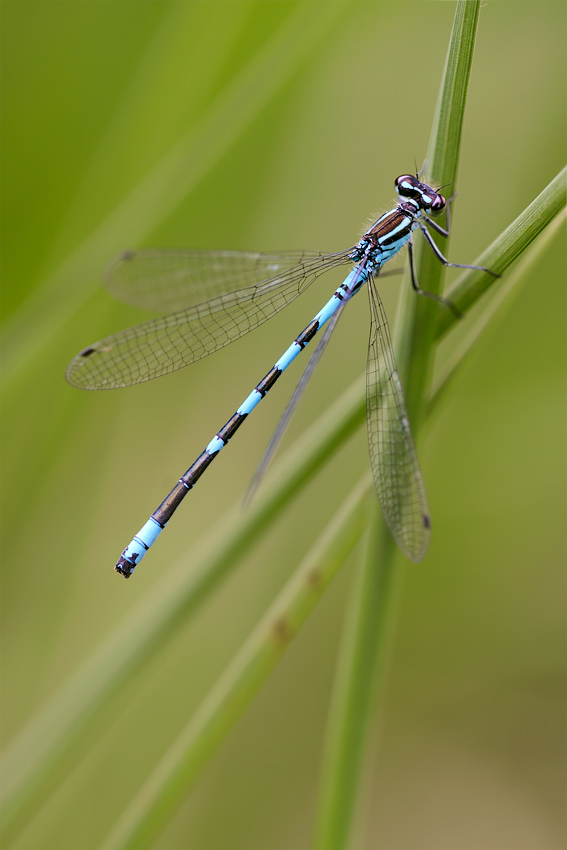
(218, 296)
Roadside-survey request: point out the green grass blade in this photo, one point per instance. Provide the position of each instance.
(366, 632)
(169, 782)
(489, 320)
(445, 139)
(505, 249)
(358, 675)
(415, 332)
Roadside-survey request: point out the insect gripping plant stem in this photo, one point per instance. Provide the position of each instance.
(256, 287)
(33, 764)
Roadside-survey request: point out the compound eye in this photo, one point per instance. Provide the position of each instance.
(406, 185)
(438, 204)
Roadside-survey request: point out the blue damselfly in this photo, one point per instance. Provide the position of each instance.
(218, 296)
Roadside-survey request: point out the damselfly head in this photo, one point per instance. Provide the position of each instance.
(427, 199)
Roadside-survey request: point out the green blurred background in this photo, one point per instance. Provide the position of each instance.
(279, 125)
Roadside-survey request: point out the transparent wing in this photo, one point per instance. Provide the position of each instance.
(397, 476)
(167, 343)
(167, 280)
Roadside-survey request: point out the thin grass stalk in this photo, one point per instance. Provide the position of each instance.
(153, 806)
(370, 616)
(505, 249)
(490, 318)
(368, 622)
(366, 640)
(415, 329)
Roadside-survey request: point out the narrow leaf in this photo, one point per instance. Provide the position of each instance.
(505, 249)
(366, 638)
(498, 307)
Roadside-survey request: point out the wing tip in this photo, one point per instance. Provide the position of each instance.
(416, 553)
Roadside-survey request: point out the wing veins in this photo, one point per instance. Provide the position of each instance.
(395, 465)
(167, 343)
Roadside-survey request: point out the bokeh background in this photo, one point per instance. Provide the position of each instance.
(289, 121)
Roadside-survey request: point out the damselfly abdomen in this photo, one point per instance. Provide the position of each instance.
(218, 296)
